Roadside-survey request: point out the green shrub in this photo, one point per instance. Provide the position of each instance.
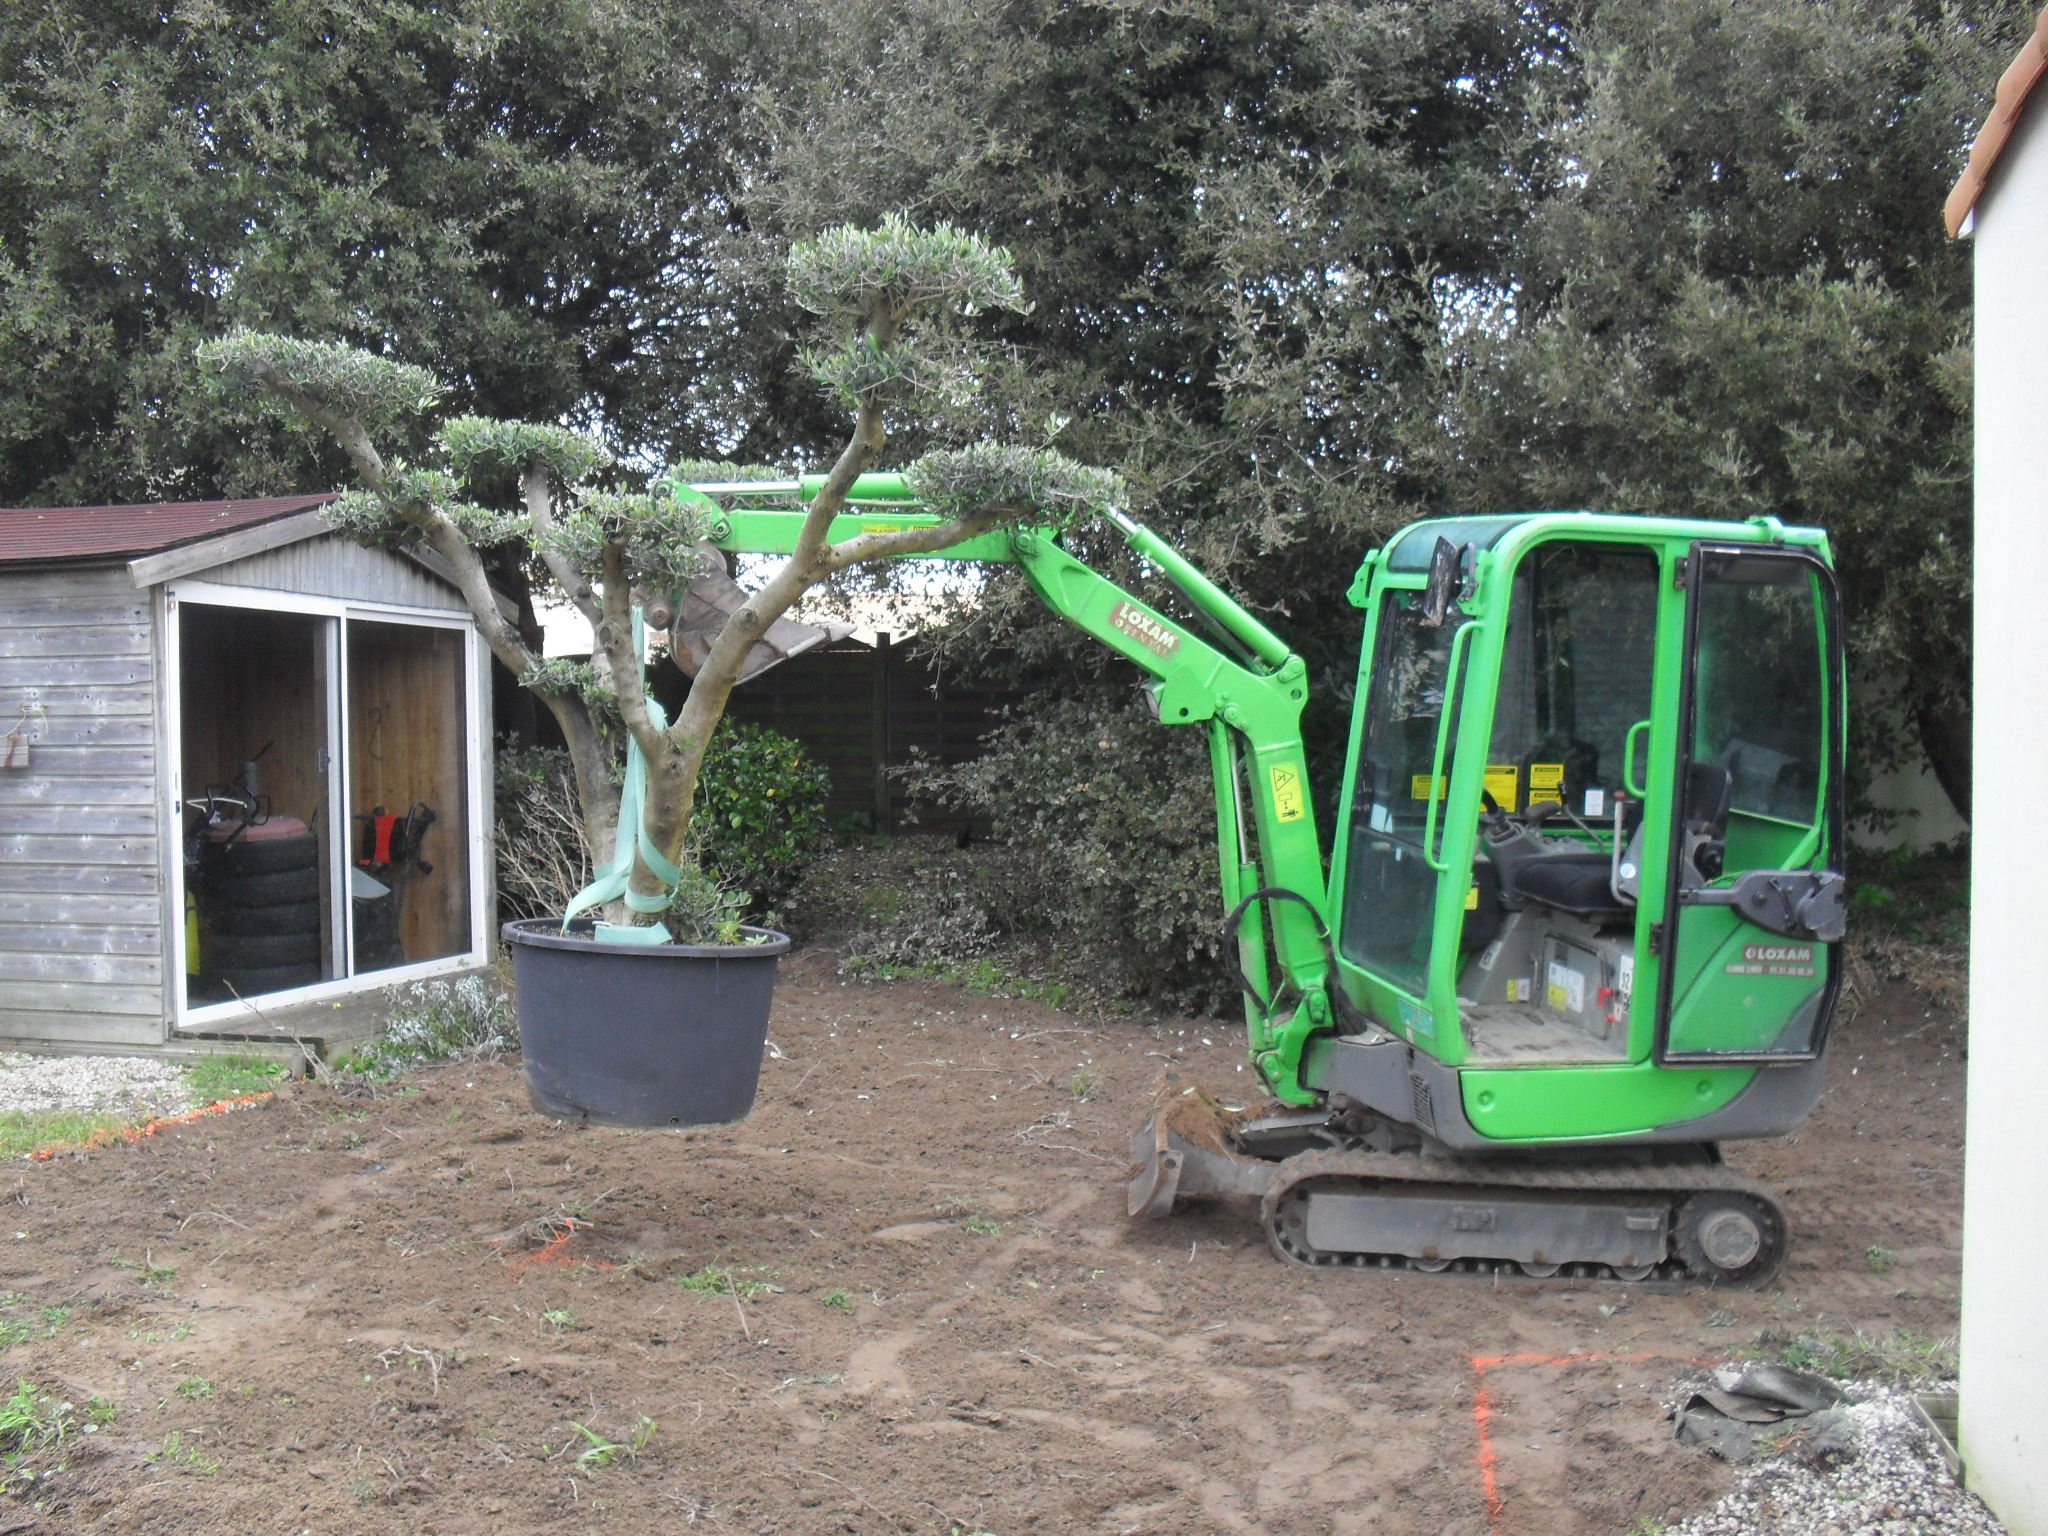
(1109, 831)
(760, 814)
(759, 821)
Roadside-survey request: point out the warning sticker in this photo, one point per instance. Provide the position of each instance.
(1503, 781)
(867, 527)
(1567, 990)
(1774, 960)
(1134, 621)
(1472, 898)
(1418, 787)
(1520, 989)
(1287, 801)
(1546, 783)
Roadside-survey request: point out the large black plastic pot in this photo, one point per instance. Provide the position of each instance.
(641, 1034)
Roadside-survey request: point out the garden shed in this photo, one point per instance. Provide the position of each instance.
(244, 774)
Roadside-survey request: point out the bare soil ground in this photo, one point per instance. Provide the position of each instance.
(319, 1315)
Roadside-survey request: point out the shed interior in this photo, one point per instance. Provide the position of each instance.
(253, 694)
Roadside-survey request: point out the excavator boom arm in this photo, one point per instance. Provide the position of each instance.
(1238, 681)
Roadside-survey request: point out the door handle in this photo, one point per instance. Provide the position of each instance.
(1628, 761)
(1453, 675)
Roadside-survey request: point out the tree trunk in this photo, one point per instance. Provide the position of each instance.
(1943, 721)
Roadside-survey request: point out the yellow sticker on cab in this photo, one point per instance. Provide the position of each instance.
(1288, 804)
(1418, 786)
(1546, 783)
(1504, 782)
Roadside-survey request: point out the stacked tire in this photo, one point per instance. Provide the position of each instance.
(260, 921)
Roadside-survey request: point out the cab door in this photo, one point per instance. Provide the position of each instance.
(1755, 903)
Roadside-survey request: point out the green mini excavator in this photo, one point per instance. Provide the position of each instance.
(1583, 903)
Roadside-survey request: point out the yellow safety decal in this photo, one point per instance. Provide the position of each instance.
(1472, 899)
(1418, 787)
(1287, 801)
(1503, 780)
(883, 527)
(1546, 782)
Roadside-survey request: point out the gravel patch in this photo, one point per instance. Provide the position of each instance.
(133, 1086)
(1893, 1483)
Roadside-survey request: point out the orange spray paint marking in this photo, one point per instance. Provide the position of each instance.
(556, 1251)
(1482, 1411)
(113, 1134)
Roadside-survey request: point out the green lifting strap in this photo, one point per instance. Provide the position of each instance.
(611, 882)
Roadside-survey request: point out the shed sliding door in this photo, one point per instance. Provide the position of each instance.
(260, 858)
(408, 777)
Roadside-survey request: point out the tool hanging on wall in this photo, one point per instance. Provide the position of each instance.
(390, 856)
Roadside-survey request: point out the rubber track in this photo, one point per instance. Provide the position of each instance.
(1385, 1168)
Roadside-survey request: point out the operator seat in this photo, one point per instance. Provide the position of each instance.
(1581, 881)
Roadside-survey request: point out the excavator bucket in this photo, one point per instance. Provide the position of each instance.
(712, 599)
(1185, 1147)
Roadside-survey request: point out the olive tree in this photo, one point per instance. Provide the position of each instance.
(889, 301)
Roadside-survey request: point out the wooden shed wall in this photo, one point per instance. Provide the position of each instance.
(333, 566)
(81, 859)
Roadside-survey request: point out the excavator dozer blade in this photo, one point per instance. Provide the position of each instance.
(1183, 1149)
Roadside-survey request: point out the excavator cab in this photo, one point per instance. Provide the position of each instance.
(1588, 858)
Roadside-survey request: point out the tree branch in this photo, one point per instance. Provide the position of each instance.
(913, 541)
(540, 506)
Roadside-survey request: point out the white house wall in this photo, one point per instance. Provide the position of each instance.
(81, 889)
(2005, 1216)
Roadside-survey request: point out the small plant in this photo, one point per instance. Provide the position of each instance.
(981, 1226)
(100, 1412)
(30, 1420)
(436, 1021)
(1880, 1259)
(194, 1387)
(184, 1330)
(159, 1274)
(559, 1318)
(233, 1075)
(713, 1281)
(644, 1431)
(1085, 1081)
(600, 1452)
(839, 1299)
(958, 1205)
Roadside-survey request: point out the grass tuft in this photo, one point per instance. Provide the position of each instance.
(1901, 1359)
(713, 1281)
(24, 1132)
(233, 1075)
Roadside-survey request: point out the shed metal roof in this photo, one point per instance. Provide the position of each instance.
(32, 535)
(2014, 86)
